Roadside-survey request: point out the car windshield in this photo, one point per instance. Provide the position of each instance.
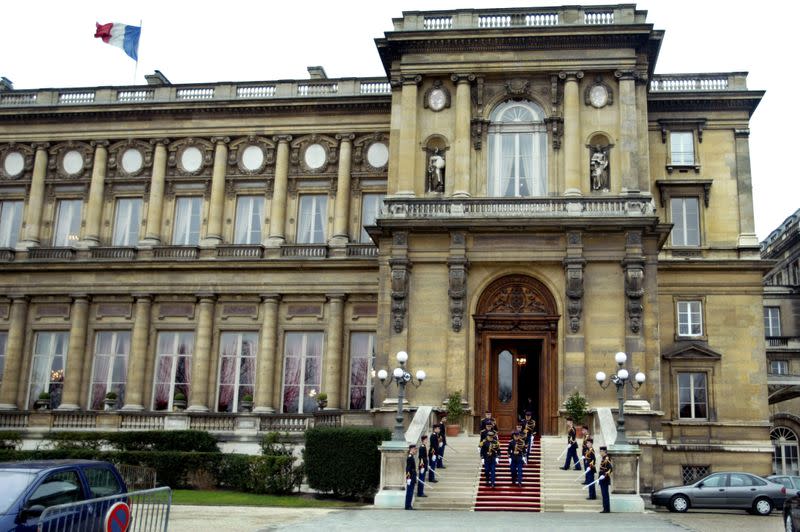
(14, 483)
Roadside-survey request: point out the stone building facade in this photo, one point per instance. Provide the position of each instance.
(517, 200)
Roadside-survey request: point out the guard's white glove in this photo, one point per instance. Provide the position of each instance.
(482, 462)
(444, 445)
(408, 482)
(525, 460)
(496, 460)
(509, 461)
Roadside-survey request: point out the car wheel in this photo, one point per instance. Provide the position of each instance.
(762, 506)
(788, 525)
(679, 503)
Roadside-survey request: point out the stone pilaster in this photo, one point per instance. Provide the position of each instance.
(628, 139)
(155, 202)
(267, 369)
(76, 353)
(216, 207)
(461, 146)
(572, 133)
(9, 387)
(341, 212)
(332, 383)
(634, 279)
(456, 363)
(575, 340)
(407, 155)
(277, 220)
(33, 211)
(94, 207)
(137, 362)
(199, 393)
(644, 141)
(744, 184)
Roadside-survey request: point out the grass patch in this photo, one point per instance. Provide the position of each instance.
(238, 498)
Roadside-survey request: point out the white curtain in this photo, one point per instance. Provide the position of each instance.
(311, 221)
(507, 169)
(10, 222)
(187, 222)
(525, 157)
(126, 226)
(249, 213)
(68, 222)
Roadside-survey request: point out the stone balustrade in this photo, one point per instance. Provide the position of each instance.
(317, 251)
(240, 251)
(362, 250)
(6, 254)
(176, 252)
(48, 253)
(791, 343)
(112, 253)
(723, 81)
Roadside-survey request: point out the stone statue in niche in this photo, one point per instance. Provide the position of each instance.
(598, 164)
(436, 167)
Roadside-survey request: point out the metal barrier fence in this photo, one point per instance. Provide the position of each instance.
(148, 511)
(137, 477)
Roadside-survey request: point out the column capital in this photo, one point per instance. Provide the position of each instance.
(283, 139)
(462, 78)
(99, 143)
(570, 75)
(143, 296)
(336, 297)
(627, 74)
(410, 79)
(17, 298)
(80, 297)
(741, 133)
(40, 145)
(208, 297)
(345, 137)
(270, 297)
(220, 140)
(162, 142)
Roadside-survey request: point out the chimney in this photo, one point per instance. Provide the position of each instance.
(317, 72)
(157, 78)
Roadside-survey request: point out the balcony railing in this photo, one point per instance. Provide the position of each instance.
(785, 342)
(316, 251)
(362, 250)
(74, 420)
(58, 253)
(112, 253)
(240, 251)
(6, 254)
(176, 252)
(724, 81)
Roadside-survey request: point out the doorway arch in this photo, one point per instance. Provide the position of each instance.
(517, 315)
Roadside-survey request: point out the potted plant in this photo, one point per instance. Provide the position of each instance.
(454, 411)
(110, 400)
(577, 407)
(246, 403)
(322, 400)
(43, 402)
(179, 401)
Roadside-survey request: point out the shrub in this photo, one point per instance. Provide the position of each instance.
(170, 440)
(576, 407)
(10, 439)
(272, 446)
(454, 409)
(344, 461)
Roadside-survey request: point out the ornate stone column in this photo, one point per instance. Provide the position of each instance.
(216, 205)
(342, 206)
(462, 134)
(134, 394)
(747, 233)
(277, 219)
(408, 136)
(572, 133)
(628, 139)
(9, 387)
(574, 339)
(33, 211)
(333, 350)
(94, 207)
(198, 395)
(76, 353)
(155, 203)
(266, 367)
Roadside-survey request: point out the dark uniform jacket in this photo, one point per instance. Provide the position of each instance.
(606, 468)
(434, 439)
(423, 457)
(528, 426)
(590, 459)
(571, 434)
(516, 448)
(411, 468)
(442, 435)
(490, 449)
(487, 423)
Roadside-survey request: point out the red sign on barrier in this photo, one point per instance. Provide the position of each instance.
(118, 517)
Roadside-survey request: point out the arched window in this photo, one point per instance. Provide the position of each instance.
(784, 458)
(517, 150)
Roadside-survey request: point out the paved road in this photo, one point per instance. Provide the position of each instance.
(194, 518)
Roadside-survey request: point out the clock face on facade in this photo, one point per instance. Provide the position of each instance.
(437, 99)
(598, 96)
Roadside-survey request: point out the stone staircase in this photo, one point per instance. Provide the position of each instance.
(458, 483)
(561, 490)
(506, 497)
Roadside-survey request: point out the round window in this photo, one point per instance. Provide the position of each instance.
(378, 155)
(13, 164)
(132, 161)
(252, 158)
(191, 159)
(72, 163)
(315, 156)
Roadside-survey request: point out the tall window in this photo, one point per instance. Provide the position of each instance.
(10, 223)
(3, 347)
(785, 456)
(370, 208)
(690, 318)
(110, 370)
(302, 371)
(772, 321)
(362, 360)
(311, 219)
(779, 367)
(517, 151)
(174, 368)
(47, 369)
(187, 221)
(249, 216)
(127, 221)
(68, 222)
(237, 369)
(686, 221)
(692, 396)
(681, 145)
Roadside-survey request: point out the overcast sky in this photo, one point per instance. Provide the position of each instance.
(50, 43)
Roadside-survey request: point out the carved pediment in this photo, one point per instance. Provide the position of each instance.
(516, 294)
(690, 351)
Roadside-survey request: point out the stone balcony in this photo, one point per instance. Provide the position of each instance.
(779, 344)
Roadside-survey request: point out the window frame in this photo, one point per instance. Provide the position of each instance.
(685, 222)
(137, 233)
(676, 158)
(369, 385)
(3, 353)
(692, 387)
(55, 397)
(682, 126)
(778, 440)
(363, 236)
(780, 363)
(57, 221)
(678, 300)
(249, 231)
(236, 384)
(8, 236)
(187, 238)
(771, 323)
(110, 385)
(301, 239)
(302, 384)
(174, 354)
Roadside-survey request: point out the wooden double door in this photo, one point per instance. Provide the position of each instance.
(515, 380)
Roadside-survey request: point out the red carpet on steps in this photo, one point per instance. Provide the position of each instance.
(505, 497)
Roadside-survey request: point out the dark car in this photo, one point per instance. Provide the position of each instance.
(724, 490)
(791, 512)
(28, 488)
(792, 482)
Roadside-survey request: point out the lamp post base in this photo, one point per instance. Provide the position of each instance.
(627, 504)
(392, 493)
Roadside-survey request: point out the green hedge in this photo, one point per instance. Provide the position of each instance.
(10, 439)
(167, 441)
(345, 462)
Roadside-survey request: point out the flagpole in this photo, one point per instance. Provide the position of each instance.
(136, 65)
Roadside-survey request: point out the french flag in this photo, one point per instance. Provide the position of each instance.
(121, 36)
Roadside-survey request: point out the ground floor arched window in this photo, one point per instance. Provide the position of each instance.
(785, 451)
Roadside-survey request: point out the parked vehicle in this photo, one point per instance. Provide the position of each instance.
(791, 513)
(724, 490)
(792, 482)
(28, 488)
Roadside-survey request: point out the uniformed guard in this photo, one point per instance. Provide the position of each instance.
(433, 454)
(589, 461)
(487, 421)
(411, 475)
(442, 441)
(572, 448)
(528, 430)
(606, 468)
(516, 457)
(423, 464)
(490, 457)
(584, 447)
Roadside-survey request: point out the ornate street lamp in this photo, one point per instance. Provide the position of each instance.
(619, 379)
(401, 377)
